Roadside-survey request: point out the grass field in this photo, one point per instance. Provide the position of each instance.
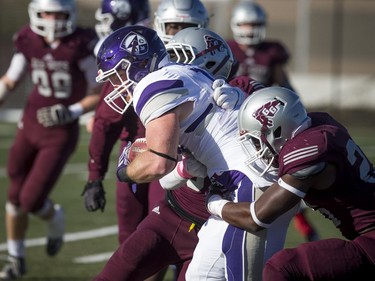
(68, 265)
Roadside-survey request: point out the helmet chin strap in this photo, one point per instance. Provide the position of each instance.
(153, 62)
(265, 141)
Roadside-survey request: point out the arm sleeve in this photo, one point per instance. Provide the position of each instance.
(17, 67)
(105, 133)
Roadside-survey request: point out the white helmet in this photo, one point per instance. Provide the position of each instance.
(247, 12)
(179, 11)
(268, 119)
(52, 29)
(202, 47)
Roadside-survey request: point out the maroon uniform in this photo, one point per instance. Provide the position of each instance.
(259, 60)
(349, 203)
(132, 205)
(39, 154)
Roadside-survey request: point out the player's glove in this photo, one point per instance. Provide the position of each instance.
(123, 162)
(226, 96)
(94, 196)
(216, 198)
(54, 115)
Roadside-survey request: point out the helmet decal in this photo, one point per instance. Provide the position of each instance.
(265, 114)
(135, 44)
(213, 45)
(121, 9)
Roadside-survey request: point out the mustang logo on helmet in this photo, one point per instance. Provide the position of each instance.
(135, 44)
(213, 45)
(268, 110)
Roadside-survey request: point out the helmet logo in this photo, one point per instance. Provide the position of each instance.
(135, 44)
(121, 9)
(266, 113)
(212, 45)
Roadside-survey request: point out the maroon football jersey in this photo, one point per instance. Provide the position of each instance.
(350, 201)
(259, 60)
(55, 73)
(246, 84)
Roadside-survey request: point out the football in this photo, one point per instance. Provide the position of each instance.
(137, 147)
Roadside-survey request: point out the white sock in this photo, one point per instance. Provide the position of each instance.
(16, 248)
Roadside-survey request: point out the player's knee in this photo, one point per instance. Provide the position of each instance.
(12, 209)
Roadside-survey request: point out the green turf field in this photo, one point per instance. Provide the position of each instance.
(67, 265)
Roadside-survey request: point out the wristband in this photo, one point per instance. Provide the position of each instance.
(182, 171)
(216, 204)
(122, 175)
(76, 110)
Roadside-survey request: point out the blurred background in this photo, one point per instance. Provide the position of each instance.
(331, 43)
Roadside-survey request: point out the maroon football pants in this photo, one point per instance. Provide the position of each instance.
(329, 259)
(161, 239)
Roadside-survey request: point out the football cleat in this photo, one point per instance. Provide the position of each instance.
(55, 231)
(13, 269)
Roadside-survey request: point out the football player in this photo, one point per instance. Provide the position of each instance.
(257, 57)
(108, 126)
(265, 61)
(164, 96)
(133, 202)
(179, 216)
(319, 162)
(172, 16)
(59, 58)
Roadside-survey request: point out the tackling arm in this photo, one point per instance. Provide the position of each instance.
(276, 200)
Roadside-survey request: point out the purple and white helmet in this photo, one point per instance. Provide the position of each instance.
(124, 58)
(114, 14)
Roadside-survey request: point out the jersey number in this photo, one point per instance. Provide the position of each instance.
(60, 85)
(358, 159)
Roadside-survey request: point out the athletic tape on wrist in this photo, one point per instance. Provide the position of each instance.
(254, 216)
(182, 171)
(216, 204)
(76, 110)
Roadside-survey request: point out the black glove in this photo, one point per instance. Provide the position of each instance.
(94, 196)
(54, 115)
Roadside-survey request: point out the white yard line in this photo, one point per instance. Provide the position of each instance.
(93, 258)
(71, 237)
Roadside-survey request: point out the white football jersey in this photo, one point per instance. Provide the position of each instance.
(209, 132)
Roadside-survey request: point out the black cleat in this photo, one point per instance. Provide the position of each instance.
(54, 245)
(13, 269)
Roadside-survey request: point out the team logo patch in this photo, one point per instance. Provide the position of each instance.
(266, 113)
(213, 45)
(135, 44)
